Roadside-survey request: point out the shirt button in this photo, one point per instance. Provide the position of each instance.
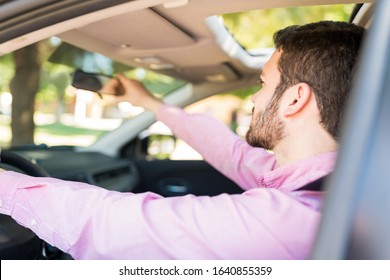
(33, 222)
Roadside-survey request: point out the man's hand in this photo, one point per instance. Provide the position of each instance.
(134, 92)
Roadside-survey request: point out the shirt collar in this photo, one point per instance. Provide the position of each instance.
(297, 174)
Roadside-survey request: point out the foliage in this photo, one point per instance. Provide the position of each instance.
(255, 29)
(6, 72)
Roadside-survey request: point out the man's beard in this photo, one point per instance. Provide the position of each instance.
(266, 129)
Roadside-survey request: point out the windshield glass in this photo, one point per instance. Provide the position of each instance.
(240, 24)
(38, 105)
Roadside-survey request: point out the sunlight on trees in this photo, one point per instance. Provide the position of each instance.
(255, 29)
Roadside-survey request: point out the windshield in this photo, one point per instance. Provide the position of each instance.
(272, 20)
(56, 113)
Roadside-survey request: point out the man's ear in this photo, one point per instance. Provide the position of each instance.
(298, 96)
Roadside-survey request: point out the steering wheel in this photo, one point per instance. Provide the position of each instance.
(16, 241)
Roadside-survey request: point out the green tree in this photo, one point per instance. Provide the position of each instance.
(24, 86)
(6, 72)
(255, 29)
(26, 66)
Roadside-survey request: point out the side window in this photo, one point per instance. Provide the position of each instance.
(229, 109)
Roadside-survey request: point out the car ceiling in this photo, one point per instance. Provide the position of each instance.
(175, 33)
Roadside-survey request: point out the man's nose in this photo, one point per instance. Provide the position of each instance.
(253, 97)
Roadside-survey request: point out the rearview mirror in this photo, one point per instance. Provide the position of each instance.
(91, 81)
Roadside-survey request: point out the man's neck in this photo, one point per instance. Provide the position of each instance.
(291, 150)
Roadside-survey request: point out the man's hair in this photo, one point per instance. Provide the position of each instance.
(323, 55)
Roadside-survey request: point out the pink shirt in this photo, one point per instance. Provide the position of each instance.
(268, 221)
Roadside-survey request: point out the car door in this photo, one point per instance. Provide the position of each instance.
(355, 223)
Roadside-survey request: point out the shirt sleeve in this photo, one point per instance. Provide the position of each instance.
(89, 222)
(219, 146)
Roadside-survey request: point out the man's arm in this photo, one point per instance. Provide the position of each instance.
(89, 222)
(212, 139)
(219, 146)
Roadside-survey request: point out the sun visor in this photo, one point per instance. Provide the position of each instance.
(135, 33)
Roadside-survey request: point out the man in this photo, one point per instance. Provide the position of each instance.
(296, 114)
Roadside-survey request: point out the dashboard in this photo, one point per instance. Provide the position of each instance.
(89, 167)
